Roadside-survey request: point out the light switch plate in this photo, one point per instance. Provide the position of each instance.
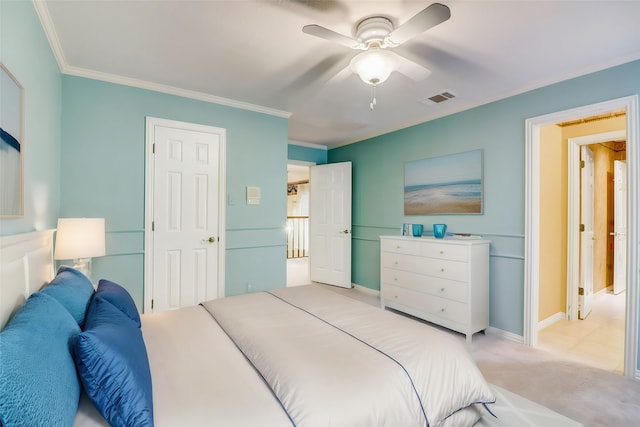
(253, 195)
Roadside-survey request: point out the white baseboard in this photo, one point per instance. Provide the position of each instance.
(505, 335)
(551, 320)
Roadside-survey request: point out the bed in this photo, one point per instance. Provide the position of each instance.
(303, 356)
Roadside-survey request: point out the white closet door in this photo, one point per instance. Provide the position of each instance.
(330, 224)
(186, 223)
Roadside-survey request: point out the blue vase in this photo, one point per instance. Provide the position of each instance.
(439, 230)
(417, 230)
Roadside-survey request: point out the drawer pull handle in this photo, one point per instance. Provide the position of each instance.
(442, 270)
(441, 252)
(397, 246)
(442, 310)
(395, 279)
(442, 290)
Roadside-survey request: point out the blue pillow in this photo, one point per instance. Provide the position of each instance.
(73, 290)
(119, 297)
(38, 380)
(112, 363)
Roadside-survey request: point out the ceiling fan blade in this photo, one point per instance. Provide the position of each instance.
(341, 75)
(428, 18)
(314, 79)
(412, 69)
(327, 34)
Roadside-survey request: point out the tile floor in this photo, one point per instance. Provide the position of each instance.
(596, 341)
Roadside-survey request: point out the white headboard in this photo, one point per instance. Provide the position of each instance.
(26, 264)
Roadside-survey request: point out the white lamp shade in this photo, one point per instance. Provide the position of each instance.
(80, 238)
(374, 65)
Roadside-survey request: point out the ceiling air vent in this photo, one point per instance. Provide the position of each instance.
(441, 97)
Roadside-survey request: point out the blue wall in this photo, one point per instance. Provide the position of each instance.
(103, 174)
(499, 130)
(307, 154)
(25, 52)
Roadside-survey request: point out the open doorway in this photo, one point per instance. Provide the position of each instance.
(297, 228)
(538, 255)
(580, 317)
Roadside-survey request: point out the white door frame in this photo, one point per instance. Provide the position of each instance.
(151, 122)
(573, 213)
(532, 218)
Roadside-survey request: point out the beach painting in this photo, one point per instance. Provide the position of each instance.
(449, 184)
(11, 148)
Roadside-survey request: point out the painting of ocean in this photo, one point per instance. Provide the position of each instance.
(444, 185)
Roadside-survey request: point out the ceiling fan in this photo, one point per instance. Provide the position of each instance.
(375, 36)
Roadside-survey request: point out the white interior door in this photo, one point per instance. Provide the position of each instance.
(620, 227)
(186, 208)
(585, 298)
(330, 224)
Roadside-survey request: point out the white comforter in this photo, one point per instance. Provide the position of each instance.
(332, 361)
(311, 358)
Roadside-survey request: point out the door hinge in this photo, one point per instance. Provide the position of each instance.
(152, 303)
(580, 291)
(581, 163)
(153, 148)
(153, 226)
(581, 227)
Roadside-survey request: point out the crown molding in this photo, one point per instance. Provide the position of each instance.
(308, 145)
(50, 31)
(54, 42)
(171, 90)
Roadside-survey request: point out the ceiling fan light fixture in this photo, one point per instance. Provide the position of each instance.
(374, 65)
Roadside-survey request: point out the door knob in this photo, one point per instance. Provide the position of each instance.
(209, 240)
(345, 231)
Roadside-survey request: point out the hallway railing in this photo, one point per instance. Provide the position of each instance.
(297, 236)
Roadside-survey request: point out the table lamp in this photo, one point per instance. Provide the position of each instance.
(80, 239)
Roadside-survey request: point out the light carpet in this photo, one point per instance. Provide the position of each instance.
(512, 410)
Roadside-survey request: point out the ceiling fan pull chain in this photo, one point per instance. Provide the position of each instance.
(373, 97)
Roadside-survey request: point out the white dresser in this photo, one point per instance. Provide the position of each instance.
(443, 281)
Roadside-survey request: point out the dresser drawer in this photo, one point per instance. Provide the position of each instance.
(404, 246)
(429, 305)
(436, 286)
(445, 269)
(445, 251)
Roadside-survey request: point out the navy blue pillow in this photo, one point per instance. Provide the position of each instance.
(112, 363)
(73, 290)
(119, 297)
(38, 381)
